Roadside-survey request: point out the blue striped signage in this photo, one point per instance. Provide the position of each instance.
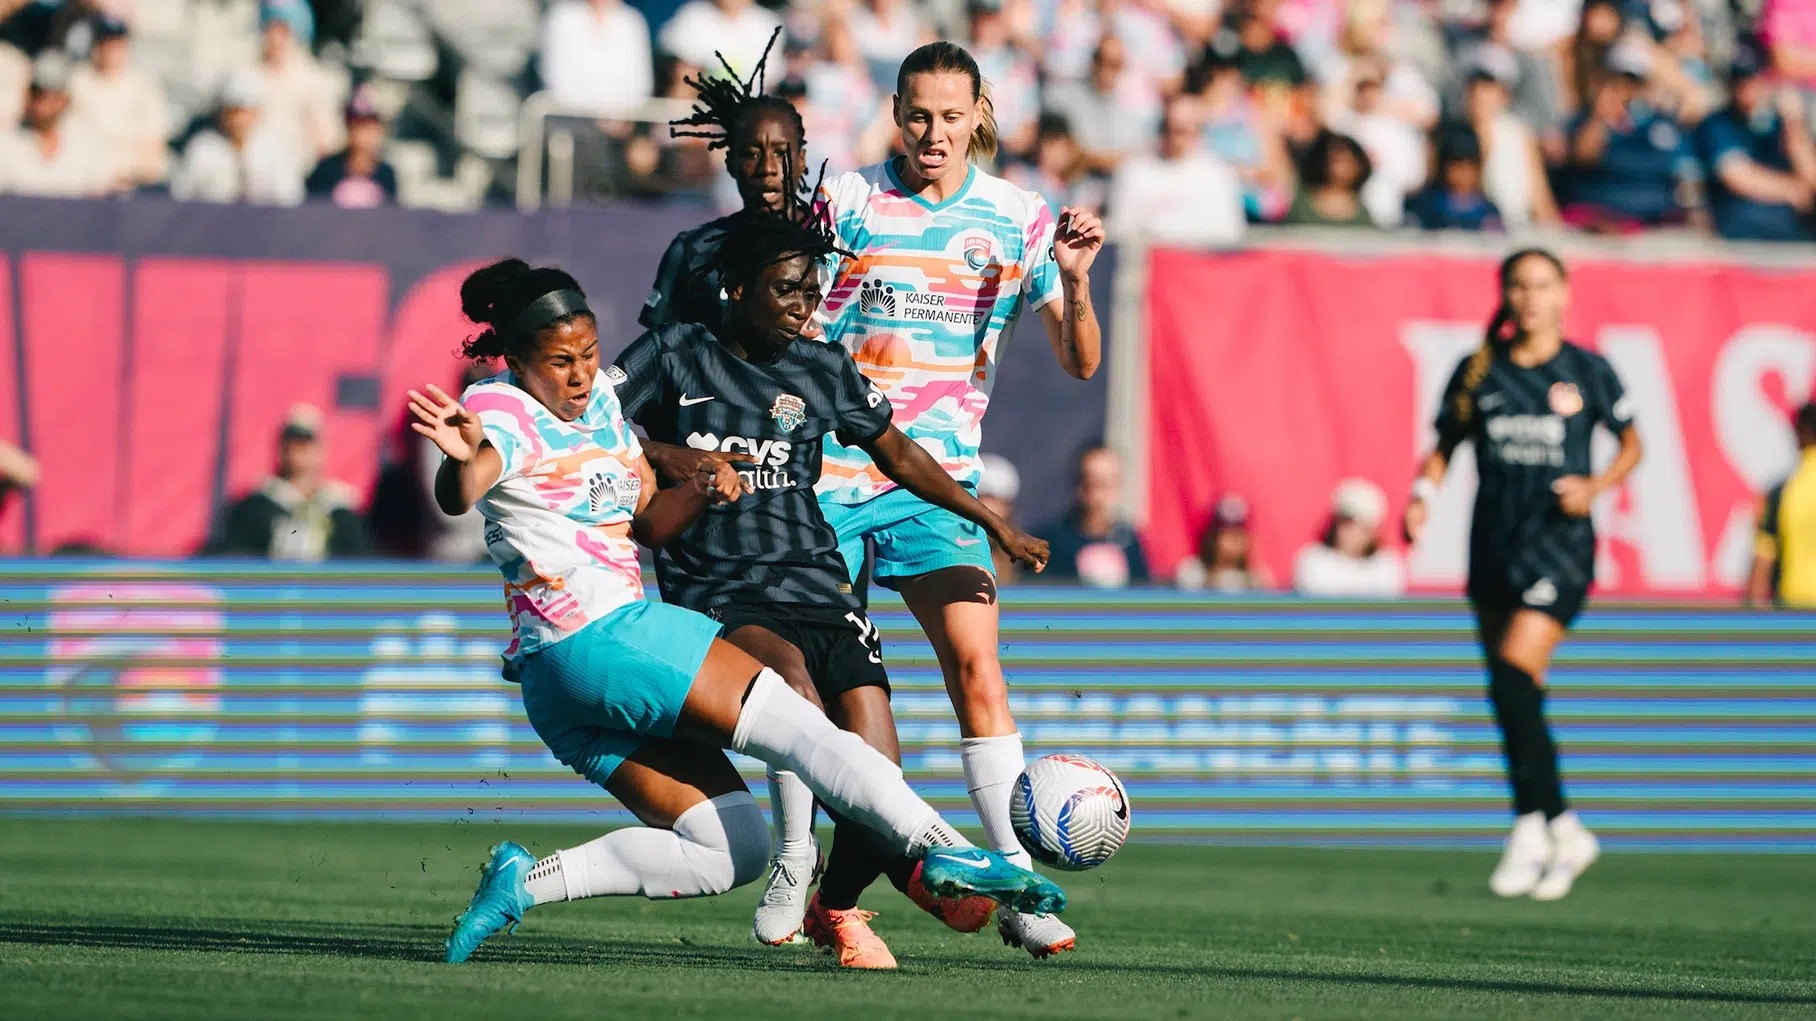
(373, 691)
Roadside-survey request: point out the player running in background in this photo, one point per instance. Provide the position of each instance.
(766, 565)
(1529, 402)
(946, 256)
(638, 697)
(765, 153)
(1784, 547)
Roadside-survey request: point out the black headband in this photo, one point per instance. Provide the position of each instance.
(545, 310)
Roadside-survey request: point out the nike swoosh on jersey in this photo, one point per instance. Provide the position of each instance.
(967, 542)
(688, 402)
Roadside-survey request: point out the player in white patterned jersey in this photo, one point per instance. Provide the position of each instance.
(638, 697)
(945, 258)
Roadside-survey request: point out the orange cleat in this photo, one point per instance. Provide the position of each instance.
(848, 934)
(960, 914)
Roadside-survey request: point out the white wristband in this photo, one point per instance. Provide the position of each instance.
(1424, 490)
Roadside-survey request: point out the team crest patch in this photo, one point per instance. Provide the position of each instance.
(789, 411)
(614, 376)
(977, 251)
(1566, 399)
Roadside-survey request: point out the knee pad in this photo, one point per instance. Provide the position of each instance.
(725, 841)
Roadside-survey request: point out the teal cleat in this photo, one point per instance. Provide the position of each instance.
(499, 902)
(979, 871)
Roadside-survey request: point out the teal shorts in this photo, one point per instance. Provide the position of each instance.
(595, 696)
(912, 537)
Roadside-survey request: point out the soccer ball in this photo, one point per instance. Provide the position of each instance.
(1069, 812)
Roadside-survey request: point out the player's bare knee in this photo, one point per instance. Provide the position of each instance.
(978, 685)
(795, 676)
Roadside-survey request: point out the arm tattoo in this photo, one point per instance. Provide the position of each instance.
(1078, 310)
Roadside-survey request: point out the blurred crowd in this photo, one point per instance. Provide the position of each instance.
(1182, 120)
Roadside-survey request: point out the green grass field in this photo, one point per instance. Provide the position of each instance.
(182, 919)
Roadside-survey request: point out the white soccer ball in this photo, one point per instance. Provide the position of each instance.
(1069, 812)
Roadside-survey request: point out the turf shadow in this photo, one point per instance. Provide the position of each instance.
(387, 942)
(422, 944)
(1400, 981)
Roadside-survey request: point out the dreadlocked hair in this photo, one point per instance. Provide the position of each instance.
(727, 102)
(1482, 358)
(761, 239)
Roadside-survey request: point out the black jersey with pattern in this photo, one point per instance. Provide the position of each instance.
(687, 287)
(772, 545)
(1531, 427)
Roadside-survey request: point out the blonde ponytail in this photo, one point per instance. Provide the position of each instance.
(984, 137)
(1480, 360)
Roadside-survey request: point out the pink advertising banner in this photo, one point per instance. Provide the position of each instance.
(1275, 374)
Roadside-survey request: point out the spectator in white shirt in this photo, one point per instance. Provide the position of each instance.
(1396, 147)
(596, 56)
(887, 31)
(1184, 195)
(1513, 168)
(122, 106)
(49, 156)
(15, 79)
(737, 29)
(239, 159)
(301, 100)
(1348, 560)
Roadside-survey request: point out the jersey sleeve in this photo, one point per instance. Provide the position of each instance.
(637, 377)
(627, 439)
(863, 412)
(659, 307)
(1611, 405)
(1041, 286)
(1450, 426)
(509, 423)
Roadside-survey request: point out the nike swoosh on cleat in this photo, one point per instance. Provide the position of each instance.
(982, 863)
(688, 402)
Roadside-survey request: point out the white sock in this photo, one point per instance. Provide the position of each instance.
(992, 765)
(791, 809)
(785, 730)
(714, 846)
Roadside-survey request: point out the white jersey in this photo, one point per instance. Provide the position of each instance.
(558, 520)
(925, 306)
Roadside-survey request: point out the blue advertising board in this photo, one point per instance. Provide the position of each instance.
(373, 691)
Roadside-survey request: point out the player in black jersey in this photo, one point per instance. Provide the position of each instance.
(765, 153)
(1529, 402)
(765, 563)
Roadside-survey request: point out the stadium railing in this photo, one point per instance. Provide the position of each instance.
(546, 146)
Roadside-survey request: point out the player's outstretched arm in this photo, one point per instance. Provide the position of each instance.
(472, 464)
(1072, 326)
(915, 470)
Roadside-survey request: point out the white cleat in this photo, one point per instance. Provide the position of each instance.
(1040, 935)
(1524, 857)
(1573, 850)
(784, 902)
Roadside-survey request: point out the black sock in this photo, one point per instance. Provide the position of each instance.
(1519, 708)
(858, 857)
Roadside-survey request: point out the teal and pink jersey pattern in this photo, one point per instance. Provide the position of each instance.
(926, 306)
(558, 520)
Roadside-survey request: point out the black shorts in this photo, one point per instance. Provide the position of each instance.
(1561, 602)
(842, 648)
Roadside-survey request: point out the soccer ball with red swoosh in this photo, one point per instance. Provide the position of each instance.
(1070, 812)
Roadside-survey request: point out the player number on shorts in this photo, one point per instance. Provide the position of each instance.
(868, 634)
